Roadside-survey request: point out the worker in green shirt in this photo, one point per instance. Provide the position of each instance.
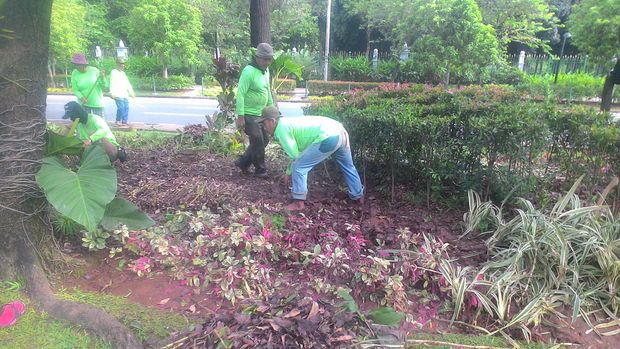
(88, 83)
(309, 140)
(254, 94)
(93, 129)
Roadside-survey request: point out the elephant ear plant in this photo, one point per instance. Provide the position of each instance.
(87, 195)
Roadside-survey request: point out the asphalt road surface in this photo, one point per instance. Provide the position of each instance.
(153, 110)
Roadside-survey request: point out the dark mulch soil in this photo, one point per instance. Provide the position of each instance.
(158, 181)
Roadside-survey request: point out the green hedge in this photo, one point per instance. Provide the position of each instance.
(285, 85)
(484, 138)
(321, 88)
(174, 82)
(568, 86)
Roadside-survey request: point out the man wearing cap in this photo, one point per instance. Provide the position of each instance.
(93, 129)
(308, 141)
(88, 83)
(254, 94)
(120, 91)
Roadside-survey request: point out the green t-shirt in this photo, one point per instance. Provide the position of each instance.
(295, 134)
(95, 129)
(82, 83)
(253, 92)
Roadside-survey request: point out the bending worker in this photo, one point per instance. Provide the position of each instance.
(93, 129)
(309, 140)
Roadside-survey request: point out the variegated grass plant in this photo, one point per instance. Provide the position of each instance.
(541, 260)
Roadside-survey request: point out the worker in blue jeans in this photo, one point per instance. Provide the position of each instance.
(308, 141)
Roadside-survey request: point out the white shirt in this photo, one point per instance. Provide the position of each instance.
(119, 85)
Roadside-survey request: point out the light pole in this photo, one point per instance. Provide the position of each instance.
(566, 36)
(326, 63)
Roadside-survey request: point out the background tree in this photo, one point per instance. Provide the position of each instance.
(24, 234)
(294, 25)
(449, 36)
(166, 28)
(519, 21)
(97, 30)
(225, 23)
(595, 26)
(67, 37)
(260, 23)
(372, 15)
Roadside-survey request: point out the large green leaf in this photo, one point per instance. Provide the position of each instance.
(82, 195)
(386, 316)
(59, 144)
(121, 211)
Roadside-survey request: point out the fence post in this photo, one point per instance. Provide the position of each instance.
(375, 58)
(521, 60)
(154, 89)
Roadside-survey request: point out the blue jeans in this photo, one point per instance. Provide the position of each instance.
(339, 147)
(122, 109)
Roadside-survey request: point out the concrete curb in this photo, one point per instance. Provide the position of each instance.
(181, 97)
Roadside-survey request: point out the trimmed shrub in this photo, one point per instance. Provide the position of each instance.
(568, 86)
(284, 85)
(174, 82)
(350, 69)
(487, 138)
(321, 88)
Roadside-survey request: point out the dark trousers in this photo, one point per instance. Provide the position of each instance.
(255, 153)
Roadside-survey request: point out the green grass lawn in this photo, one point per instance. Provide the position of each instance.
(37, 330)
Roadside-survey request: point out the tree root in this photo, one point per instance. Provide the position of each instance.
(92, 319)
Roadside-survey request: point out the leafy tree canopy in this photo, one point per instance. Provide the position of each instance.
(448, 33)
(595, 27)
(294, 25)
(68, 27)
(520, 21)
(167, 28)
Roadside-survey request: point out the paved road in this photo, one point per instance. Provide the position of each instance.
(149, 110)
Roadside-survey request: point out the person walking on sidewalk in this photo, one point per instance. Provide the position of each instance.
(308, 141)
(254, 94)
(88, 84)
(120, 91)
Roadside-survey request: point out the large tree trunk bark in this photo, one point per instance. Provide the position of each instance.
(260, 22)
(613, 78)
(25, 238)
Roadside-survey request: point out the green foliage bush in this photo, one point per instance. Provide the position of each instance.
(321, 88)
(350, 69)
(174, 82)
(140, 66)
(568, 86)
(285, 85)
(484, 138)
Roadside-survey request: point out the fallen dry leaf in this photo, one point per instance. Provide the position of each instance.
(343, 338)
(163, 301)
(292, 313)
(314, 310)
(192, 308)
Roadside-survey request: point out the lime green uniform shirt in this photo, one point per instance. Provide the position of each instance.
(295, 134)
(253, 92)
(82, 83)
(95, 129)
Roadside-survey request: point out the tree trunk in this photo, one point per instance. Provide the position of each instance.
(447, 79)
(51, 72)
(26, 239)
(368, 33)
(260, 22)
(613, 78)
